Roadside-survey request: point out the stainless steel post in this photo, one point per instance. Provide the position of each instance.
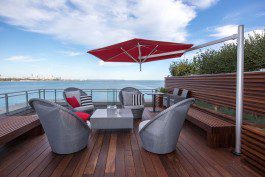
(44, 94)
(55, 95)
(39, 94)
(27, 98)
(6, 102)
(239, 87)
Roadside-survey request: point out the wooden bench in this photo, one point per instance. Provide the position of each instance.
(12, 127)
(219, 132)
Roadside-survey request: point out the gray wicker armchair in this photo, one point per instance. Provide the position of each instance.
(175, 98)
(160, 135)
(136, 110)
(66, 132)
(89, 109)
(165, 98)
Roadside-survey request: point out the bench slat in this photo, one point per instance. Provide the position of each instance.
(14, 126)
(219, 132)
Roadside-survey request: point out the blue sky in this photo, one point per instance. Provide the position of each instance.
(51, 37)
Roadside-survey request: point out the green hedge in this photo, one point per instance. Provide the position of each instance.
(223, 60)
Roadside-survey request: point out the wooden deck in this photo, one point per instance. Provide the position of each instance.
(119, 153)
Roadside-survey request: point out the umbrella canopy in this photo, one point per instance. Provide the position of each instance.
(139, 51)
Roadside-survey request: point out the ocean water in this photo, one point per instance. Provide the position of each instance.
(20, 100)
(6, 87)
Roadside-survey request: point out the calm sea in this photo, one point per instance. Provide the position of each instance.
(6, 87)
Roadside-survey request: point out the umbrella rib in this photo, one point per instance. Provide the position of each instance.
(129, 55)
(154, 49)
(118, 54)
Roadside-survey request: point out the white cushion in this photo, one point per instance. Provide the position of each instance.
(84, 108)
(127, 98)
(75, 94)
(134, 107)
(143, 123)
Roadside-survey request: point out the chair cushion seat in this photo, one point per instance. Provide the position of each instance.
(84, 108)
(82, 115)
(143, 123)
(134, 107)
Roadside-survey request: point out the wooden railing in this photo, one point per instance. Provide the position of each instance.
(220, 89)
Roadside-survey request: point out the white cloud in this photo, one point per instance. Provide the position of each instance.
(201, 4)
(252, 33)
(22, 58)
(224, 31)
(71, 53)
(227, 30)
(98, 23)
(260, 14)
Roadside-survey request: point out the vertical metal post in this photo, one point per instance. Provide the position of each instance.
(27, 98)
(44, 94)
(55, 95)
(113, 92)
(39, 94)
(6, 101)
(239, 87)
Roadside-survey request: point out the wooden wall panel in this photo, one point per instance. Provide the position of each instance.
(220, 89)
(253, 145)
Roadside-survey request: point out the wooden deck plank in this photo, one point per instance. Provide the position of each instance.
(147, 161)
(33, 165)
(10, 154)
(18, 161)
(110, 164)
(139, 166)
(69, 170)
(51, 166)
(120, 153)
(221, 156)
(79, 171)
(91, 165)
(129, 162)
(62, 165)
(102, 158)
(43, 164)
(119, 159)
(26, 162)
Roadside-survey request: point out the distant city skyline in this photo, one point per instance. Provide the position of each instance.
(51, 38)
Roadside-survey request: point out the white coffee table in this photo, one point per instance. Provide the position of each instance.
(102, 119)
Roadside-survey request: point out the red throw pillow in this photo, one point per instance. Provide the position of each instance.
(73, 102)
(82, 115)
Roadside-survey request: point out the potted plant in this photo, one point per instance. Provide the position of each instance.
(159, 98)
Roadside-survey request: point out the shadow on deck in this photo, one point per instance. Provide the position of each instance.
(119, 153)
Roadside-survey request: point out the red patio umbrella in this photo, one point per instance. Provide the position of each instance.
(139, 51)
